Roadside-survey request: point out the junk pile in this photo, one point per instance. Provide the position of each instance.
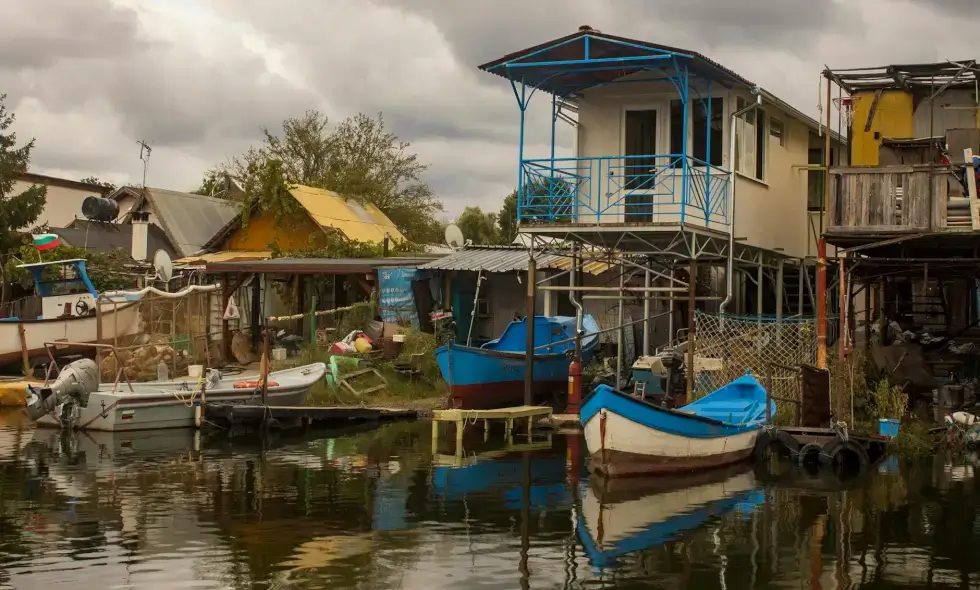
(356, 342)
(151, 362)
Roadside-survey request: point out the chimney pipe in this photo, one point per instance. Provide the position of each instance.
(141, 233)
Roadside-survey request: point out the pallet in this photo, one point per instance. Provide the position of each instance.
(508, 415)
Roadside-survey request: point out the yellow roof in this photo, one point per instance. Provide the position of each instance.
(357, 221)
(226, 256)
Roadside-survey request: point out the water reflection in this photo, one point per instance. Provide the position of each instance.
(380, 509)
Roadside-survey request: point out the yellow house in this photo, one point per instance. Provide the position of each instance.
(323, 211)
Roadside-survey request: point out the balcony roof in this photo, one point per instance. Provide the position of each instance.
(589, 58)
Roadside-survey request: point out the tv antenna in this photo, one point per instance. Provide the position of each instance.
(145, 151)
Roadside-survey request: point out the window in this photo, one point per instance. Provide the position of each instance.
(698, 147)
(814, 181)
(777, 132)
(750, 142)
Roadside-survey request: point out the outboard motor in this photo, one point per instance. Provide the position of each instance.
(72, 388)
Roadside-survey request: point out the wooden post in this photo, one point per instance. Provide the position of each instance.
(758, 292)
(800, 287)
(646, 314)
(313, 328)
(779, 290)
(842, 309)
(265, 367)
(768, 394)
(882, 315)
(529, 331)
(822, 303)
(621, 332)
(24, 351)
(691, 294)
(867, 317)
(826, 166)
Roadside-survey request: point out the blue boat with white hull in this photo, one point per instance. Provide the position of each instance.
(628, 436)
(492, 376)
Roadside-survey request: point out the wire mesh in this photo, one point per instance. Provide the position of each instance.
(728, 346)
(177, 331)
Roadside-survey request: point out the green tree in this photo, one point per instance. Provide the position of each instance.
(107, 187)
(478, 226)
(212, 185)
(507, 218)
(359, 159)
(18, 211)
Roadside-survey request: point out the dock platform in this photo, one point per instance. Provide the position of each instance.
(253, 415)
(507, 415)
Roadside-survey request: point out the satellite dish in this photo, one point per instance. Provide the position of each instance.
(163, 266)
(454, 236)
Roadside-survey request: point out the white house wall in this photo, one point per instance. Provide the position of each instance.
(62, 206)
(770, 214)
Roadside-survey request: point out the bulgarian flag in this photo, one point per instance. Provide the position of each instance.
(45, 242)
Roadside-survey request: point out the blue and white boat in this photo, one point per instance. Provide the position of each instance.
(492, 376)
(67, 302)
(629, 436)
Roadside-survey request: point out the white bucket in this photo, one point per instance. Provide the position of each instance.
(279, 354)
(398, 338)
(195, 370)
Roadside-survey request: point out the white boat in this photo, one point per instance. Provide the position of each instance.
(68, 313)
(629, 436)
(77, 401)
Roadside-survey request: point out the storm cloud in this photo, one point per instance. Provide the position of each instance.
(199, 79)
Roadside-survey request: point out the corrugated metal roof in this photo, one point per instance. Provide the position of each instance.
(190, 221)
(506, 259)
(317, 265)
(357, 221)
(226, 256)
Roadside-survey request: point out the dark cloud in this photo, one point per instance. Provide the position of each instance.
(199, 78)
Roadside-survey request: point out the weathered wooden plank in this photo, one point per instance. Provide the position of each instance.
(939, 209)
(833, 206)
(971, 186)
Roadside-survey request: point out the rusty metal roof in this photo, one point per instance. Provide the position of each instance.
(225, 256)
(358, 221)
(506, 259)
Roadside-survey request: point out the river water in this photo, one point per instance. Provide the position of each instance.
(378, 509)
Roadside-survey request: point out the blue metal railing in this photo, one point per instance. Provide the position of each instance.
(657, 188)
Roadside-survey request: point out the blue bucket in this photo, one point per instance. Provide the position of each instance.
(888, 427)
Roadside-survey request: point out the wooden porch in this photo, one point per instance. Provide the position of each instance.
(889, 201)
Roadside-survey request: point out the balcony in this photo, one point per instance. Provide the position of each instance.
(895, 200)
(652, 190)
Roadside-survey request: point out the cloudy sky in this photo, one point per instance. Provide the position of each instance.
(198, 79)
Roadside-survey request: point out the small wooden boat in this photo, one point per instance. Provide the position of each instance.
(68, 313)
(156, 404)
(629, 436)
(492, 376)
(623, 516)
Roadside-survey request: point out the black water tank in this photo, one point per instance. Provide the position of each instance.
(100, 209)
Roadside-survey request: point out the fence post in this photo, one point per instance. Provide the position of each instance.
(312, 327)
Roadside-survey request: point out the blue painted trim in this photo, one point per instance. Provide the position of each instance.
(585, 62)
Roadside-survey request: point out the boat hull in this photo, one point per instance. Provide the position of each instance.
(119, 321)
(119, 412)
(155, 406)
(627, 437)
(481, 379)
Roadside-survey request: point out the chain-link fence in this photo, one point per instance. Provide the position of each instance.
(727, 346)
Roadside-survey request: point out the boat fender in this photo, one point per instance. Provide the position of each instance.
(810, 454)
(779, 439)
(253, 384)
(838, 451)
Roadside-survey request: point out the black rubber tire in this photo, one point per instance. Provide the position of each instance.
(840, 454)
(809, 454)
(774, 440)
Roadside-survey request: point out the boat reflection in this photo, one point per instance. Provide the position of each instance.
(620, 516)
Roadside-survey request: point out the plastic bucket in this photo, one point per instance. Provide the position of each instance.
(195, 370)
(888, 427)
